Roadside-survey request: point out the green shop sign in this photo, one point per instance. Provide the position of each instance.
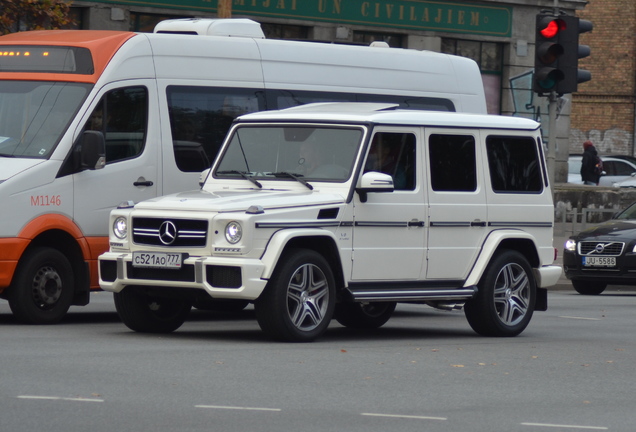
(443, 16)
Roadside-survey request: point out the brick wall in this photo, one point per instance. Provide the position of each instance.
(603, 108)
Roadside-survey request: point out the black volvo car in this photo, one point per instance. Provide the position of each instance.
(603, 255)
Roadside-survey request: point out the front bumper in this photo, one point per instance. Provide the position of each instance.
(228, 278)
(624, 273)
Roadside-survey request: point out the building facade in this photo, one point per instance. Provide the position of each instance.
(497, 34)
(603, 109)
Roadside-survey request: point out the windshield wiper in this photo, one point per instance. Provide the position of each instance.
(244, 175)
(297, 177)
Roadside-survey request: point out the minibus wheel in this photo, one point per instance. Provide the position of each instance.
(42, 290)
(298, 302)
(147, 313)
(505, 299)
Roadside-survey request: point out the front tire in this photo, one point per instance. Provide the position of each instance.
(146, 313)
(298, 301)
(588, 288)
(43, 287)
(505, 299)
(364, 316)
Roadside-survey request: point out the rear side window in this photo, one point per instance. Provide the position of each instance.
(452, 163)
(514, 164)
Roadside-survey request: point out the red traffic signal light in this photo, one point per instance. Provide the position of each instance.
(548, 51)
(557, 52)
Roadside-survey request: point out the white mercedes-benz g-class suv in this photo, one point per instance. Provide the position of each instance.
(342, 210)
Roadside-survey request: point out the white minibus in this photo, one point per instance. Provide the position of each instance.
(89, 119)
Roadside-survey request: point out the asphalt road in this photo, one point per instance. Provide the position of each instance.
(572, 369)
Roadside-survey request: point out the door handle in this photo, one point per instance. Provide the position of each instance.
(143, 182)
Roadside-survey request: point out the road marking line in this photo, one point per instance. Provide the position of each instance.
(78, 399)
(404, 416)
(565, 426)
(581, 318)
(237, 408)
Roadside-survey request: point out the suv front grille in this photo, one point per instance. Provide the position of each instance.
(169, 232)
(600, 248)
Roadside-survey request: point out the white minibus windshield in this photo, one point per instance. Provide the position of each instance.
(35, 114)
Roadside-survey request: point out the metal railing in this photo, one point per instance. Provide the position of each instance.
(574, 221)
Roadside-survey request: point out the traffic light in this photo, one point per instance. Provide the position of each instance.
(572, 52)
(548, 51)
(557, 53)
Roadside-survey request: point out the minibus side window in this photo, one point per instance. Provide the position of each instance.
(514, 164)
(122, 116)
(453, 163)
(200, 118)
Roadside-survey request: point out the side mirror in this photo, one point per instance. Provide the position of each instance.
(92, 150)
(373, 181)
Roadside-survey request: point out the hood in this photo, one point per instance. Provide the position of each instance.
(10, 166)
(231, 201)
(611, 230)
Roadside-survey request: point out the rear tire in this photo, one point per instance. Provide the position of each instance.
(147, 313)
(588, 288)
(364, 316)
(506, 297)
(43, 287)
(298, 301)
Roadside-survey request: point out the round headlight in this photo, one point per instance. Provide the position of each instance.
(120, 227)
(233, 232)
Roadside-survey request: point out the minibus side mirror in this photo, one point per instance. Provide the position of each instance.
(373, 181)
(93, 150)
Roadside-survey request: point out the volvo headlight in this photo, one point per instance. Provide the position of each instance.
(570, 245)
(233, 232)
(120, 227)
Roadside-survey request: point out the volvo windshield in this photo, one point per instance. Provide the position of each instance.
(35, 114)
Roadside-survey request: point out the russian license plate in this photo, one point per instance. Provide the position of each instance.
(599, 261)
(157, 260)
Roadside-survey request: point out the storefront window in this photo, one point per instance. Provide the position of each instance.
(146, 23)
(281, 31)
(365, 38)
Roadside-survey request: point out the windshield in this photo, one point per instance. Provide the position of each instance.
(35, 114)
(298, 153)
(629, 213)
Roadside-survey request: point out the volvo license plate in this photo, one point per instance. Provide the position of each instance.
(599, 261)
(162, 260)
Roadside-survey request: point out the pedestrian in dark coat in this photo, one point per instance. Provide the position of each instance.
(591, 167)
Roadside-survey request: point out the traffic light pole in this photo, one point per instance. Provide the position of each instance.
(552, 109)
(552, 134)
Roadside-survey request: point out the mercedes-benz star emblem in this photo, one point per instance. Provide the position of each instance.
(167, 232)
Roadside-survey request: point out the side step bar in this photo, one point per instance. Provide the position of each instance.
(412, 294)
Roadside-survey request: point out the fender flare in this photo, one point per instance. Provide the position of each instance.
(488, 249)
(278, 242)
(48, 222)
